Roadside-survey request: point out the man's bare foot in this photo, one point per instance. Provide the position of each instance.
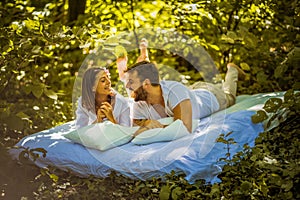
(241, 75)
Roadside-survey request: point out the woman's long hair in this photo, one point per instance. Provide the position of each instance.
(88, 83)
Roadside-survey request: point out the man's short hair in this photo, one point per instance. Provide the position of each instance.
(145, 70)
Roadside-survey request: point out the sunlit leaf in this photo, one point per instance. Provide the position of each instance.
(112, 41)
(36, 49)
(31, 24)
(227, 39)
(22, 115)
(120, 51)
(51, 94)
(245, 66)
(54, 177)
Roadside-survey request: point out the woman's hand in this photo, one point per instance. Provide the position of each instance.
(144, 52)
(107, 111)
(100, 116)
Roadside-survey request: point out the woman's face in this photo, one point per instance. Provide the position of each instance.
(102, 83)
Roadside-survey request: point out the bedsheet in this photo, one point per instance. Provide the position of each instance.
(196, 155)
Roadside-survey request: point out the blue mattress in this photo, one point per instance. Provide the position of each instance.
(196, 155)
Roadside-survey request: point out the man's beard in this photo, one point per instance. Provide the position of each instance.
(140, 94)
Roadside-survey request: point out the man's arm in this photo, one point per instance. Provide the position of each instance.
(146, 124)
(183, 111)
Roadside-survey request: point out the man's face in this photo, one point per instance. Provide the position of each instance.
(135, 87)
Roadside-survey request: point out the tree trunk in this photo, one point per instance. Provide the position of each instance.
(76, 8)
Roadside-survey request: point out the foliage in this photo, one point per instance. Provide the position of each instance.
(270, 170)
(41, 56)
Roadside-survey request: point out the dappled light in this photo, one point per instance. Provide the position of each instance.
(47, 45)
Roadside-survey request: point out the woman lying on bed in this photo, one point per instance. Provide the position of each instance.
(99, 102)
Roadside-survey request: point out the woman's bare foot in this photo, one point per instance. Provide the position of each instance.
(143, 50)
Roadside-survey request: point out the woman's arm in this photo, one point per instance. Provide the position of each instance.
(82, 118)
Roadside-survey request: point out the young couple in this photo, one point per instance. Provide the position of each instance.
(153, 98)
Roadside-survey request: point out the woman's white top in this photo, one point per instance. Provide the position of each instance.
(121, 112)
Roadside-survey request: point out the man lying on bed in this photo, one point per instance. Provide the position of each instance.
(155, 99)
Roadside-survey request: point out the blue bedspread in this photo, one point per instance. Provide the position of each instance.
(196, 155)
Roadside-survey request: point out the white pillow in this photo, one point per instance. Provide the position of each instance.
(174, 130)
(102, 136)
(106, 135)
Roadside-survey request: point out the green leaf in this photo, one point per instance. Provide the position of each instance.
(27, 89)
(227, 39)
(36, 49)
(164, 192)
(51, 94)
(31, 24)
(261, 77)
(289, 95)
(272, 105)
(287, 186)
(253, 157)
(176, 193)
(280, 70)
(112, 41)
(260, 116)
(296, 86)
(264, 189)
(122, 41)
(120, 51)
(246, 186)
(221, 140)
(54, 177)
(37, 91)
(215, 47)
(245, 66)
(232, 35)
(228, 134)
(186, 51)
(22, 115)
(250, 41)
(215, 189)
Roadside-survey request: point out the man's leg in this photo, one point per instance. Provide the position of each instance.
(233, 74)
(226, 92)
